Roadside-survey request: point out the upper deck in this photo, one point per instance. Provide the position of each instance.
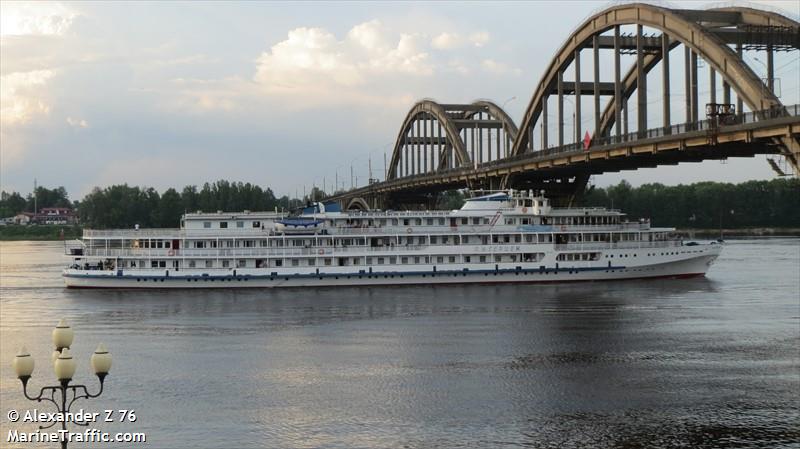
(504, 212)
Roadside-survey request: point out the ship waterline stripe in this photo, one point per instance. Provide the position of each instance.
(373, 274)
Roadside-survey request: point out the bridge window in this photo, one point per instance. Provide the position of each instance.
(441, 221)
(256, 224)
(206, 224)
(439, 259)
(394, 222)
(209, 263)
(239, 224)
(429, 221)
(192, 264)
(417, 221)
(476, 221)
(464, 221)
(328, 262)
(416, 259)
(311, 262)
(467, 259)
(223, 224)
(406, 222)
(404, 260)
(483, 259)
(380, 260)
(434, 240)
(452, 259)
(227, 263)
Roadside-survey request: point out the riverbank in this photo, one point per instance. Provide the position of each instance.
(39, 232)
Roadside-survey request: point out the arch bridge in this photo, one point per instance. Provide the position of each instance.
(737, 114)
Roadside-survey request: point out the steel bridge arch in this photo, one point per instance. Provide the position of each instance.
(730, 67)
(497, 113)
(749, 16)
(422, 109)
(357, 203)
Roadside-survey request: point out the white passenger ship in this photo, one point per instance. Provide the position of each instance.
(507, 236)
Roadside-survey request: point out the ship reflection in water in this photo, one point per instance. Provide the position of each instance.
(704, 362)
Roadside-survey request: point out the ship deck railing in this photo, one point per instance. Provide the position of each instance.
(349, 251)
(170, 233)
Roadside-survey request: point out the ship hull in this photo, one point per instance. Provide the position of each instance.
(696, 265)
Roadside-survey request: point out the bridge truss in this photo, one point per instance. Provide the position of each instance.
(442, 146)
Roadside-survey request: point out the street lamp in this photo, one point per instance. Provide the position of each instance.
(64, 366)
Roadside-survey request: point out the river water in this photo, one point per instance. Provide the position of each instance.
(710, 362)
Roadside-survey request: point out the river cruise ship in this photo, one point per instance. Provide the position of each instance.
(510, 236)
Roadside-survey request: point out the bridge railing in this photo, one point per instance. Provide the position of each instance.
(682, 128)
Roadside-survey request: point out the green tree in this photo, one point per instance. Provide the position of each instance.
(11, 204)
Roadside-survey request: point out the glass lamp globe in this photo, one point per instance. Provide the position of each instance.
(65, 366)
(23, 363)
(63, 335)
(101, 360)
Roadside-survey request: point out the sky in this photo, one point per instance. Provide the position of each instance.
(286, 95)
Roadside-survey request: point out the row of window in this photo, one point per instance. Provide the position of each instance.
(238, 224)
(345, 261)
(475, 221)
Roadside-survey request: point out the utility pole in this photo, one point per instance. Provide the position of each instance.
(35, 198)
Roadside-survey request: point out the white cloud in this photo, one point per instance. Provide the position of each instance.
(499, 68)
(21, 96)
(447, 41)
(451, 41)
(77, 123)
(313, 58)
(34, 18)
(479, 39)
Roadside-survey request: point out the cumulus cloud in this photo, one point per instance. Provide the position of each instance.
(34, 18)
(450, 41)
(77, 123)
(479, 39)
(21, 96)
(499, 68)
(313, 58)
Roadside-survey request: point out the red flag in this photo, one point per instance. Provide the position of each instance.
(587, 141)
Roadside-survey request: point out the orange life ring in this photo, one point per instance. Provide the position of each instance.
(321, 251)
(171, 252)
(524, 210)
(409, 230)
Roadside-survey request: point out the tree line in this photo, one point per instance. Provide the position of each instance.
(751, 204)
(774, 203)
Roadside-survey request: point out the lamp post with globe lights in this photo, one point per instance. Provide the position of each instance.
(64, 366)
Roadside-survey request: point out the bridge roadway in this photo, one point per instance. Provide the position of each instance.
(750, 134)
